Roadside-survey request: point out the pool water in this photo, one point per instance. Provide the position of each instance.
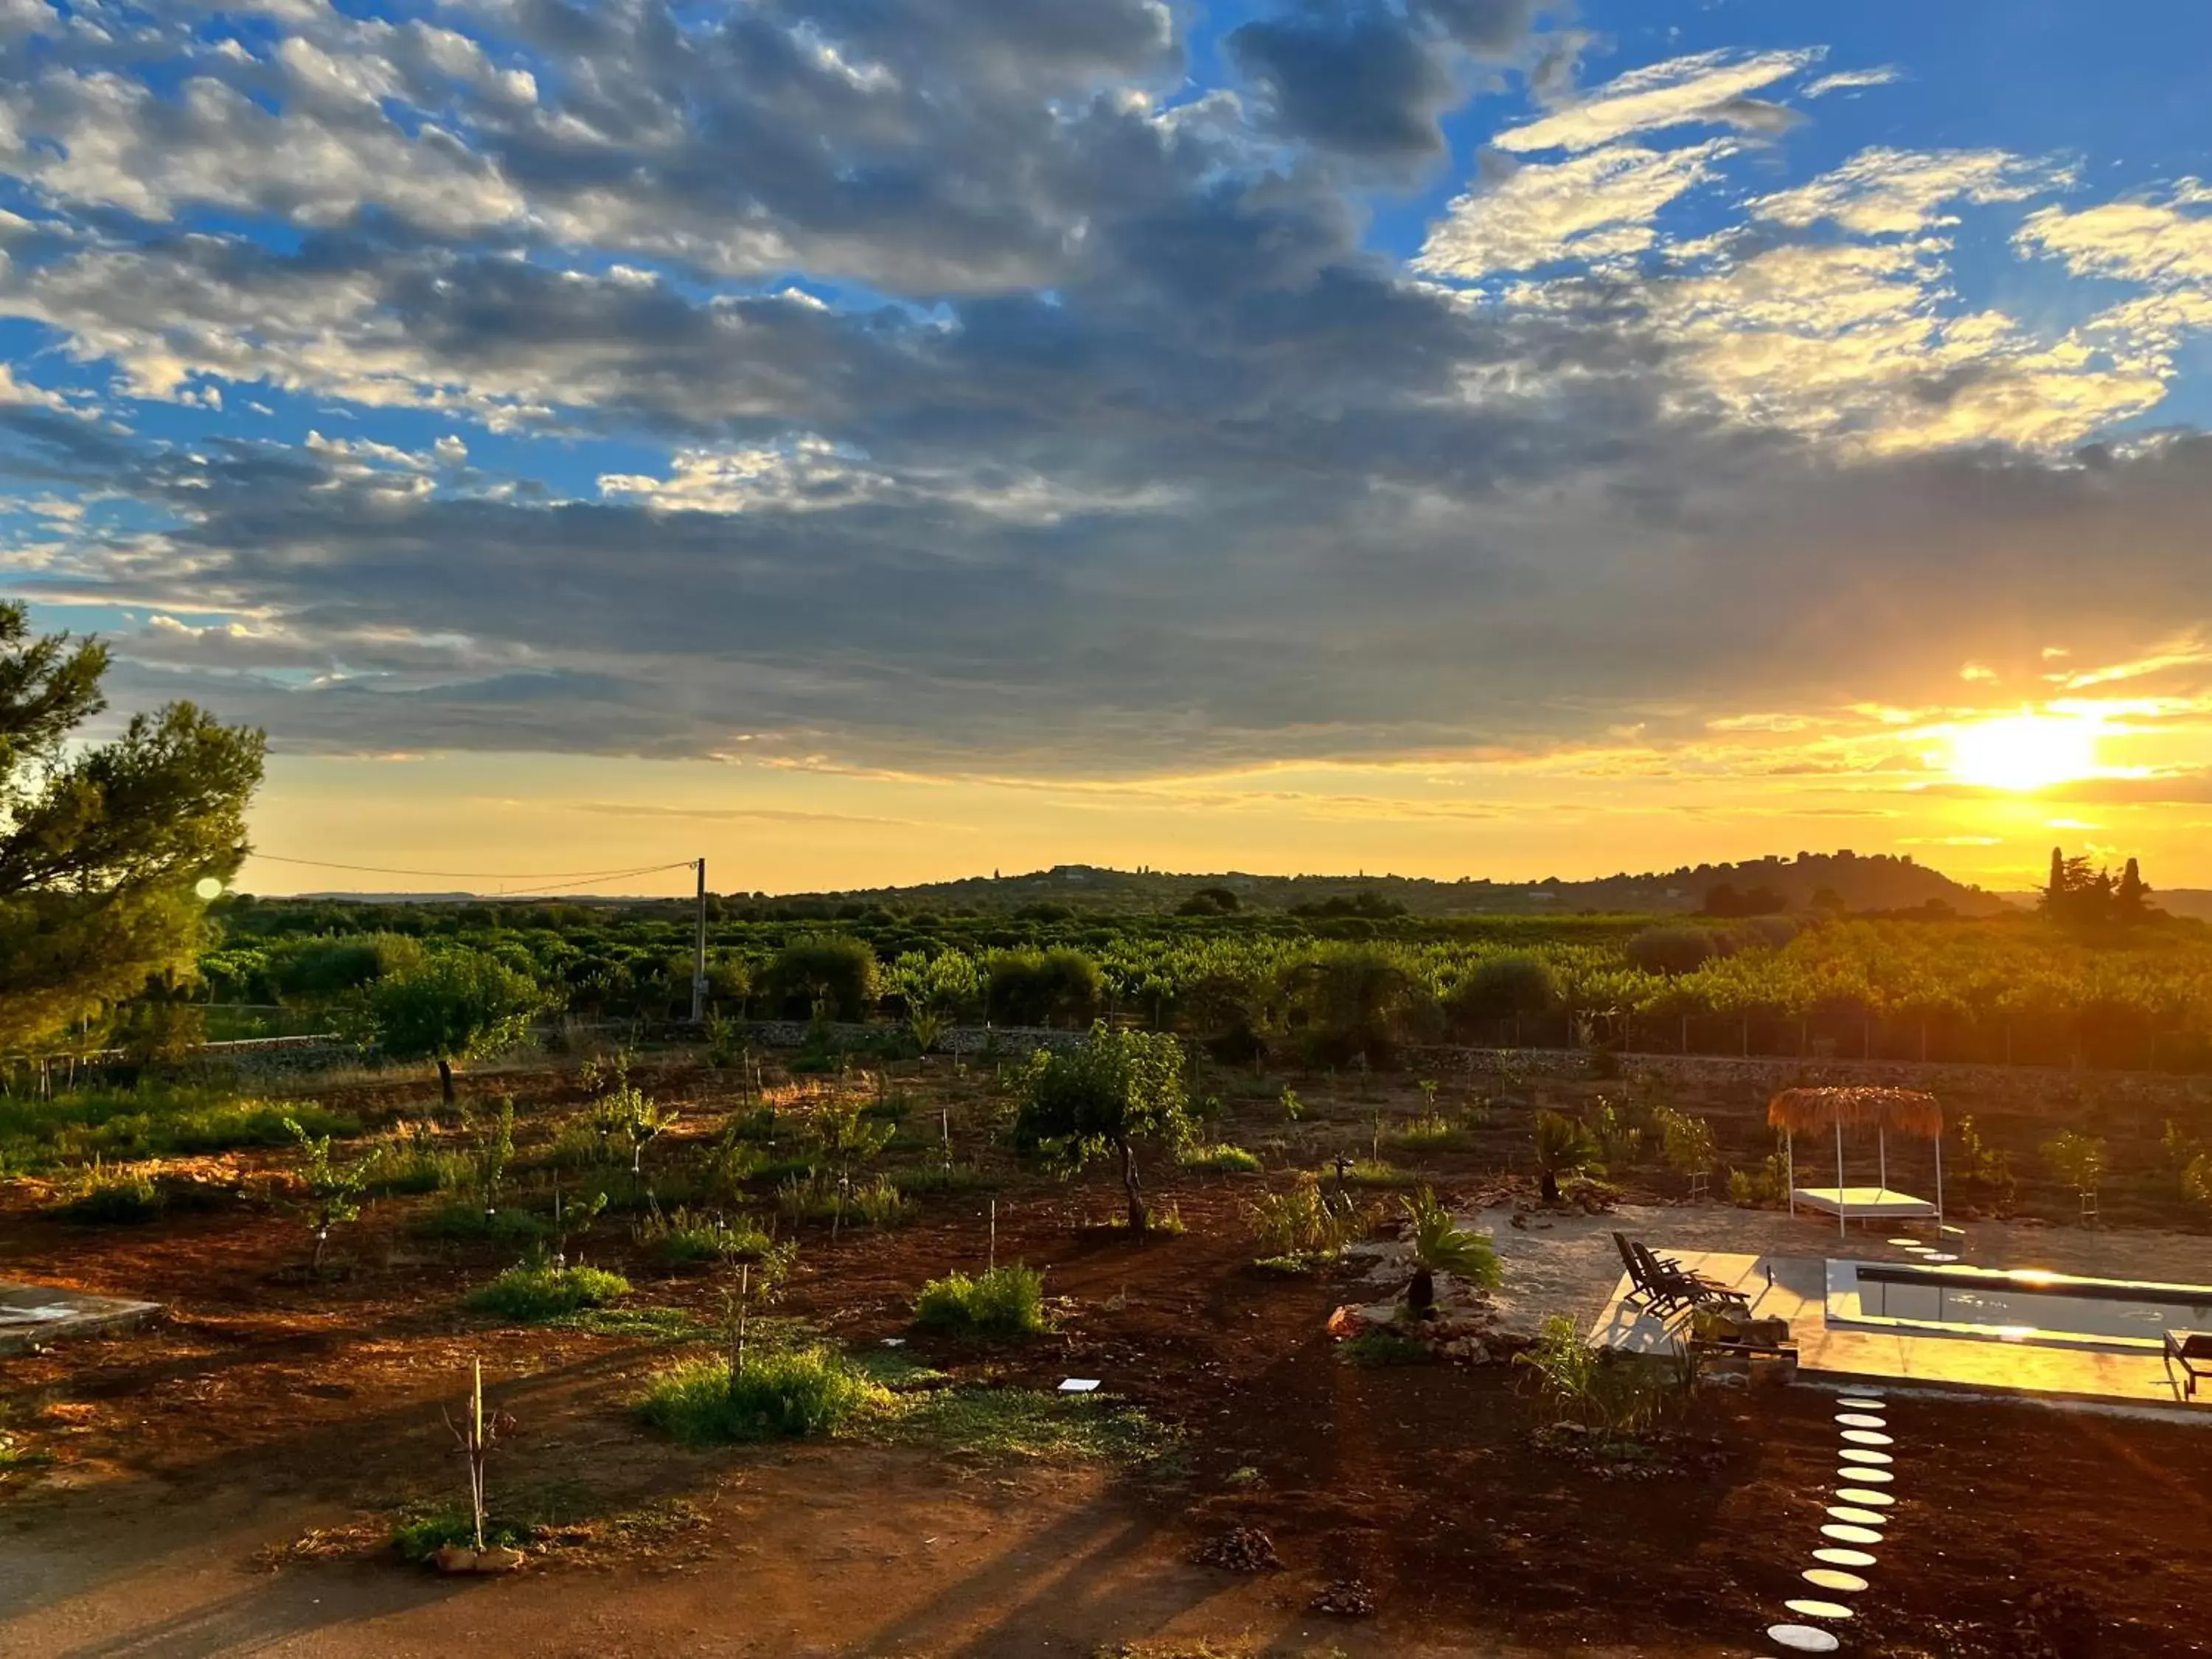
(2018, 1305)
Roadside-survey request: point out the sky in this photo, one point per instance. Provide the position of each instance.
(863, 442)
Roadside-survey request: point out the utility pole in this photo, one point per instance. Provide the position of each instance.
(699, 955)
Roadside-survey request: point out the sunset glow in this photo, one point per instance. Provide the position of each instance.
(2025, 752)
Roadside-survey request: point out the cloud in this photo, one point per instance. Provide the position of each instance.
(1888, 191)
(733, 814)
(1682, 91)
(2167, 244)
(1850, 80)
(1596, 206)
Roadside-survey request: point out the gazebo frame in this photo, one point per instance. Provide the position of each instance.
(1909, 1111)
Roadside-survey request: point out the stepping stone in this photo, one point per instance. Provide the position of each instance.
(1860, 1420)
(1907, 1244)
(1844, 1534)
(1858, 1402)
(1868, 1437)
(1857, 1518)
(1939, 1257)
(1870, 1476)
(1844, 1558)
(1879, 1500)
(1852, 1455)
(1801, 1639)
(1828, 1578)
(1809, 1608)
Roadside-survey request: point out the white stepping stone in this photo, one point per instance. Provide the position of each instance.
(1861, 1420)
(1868, 1437)
(1852, 1455)
(1938, 1257)
(1866, 1472)
(1801, 1639)
(1844, 1534)
(1907, 1244)
(1879, 1500)
(1844, 1558)
(1811, 1608)
(1857, 1518)
(1858, 1402)
(1828, 1578)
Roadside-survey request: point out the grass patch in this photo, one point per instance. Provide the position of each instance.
(534, 1294)
(638, 1324)
(1430, 1134)
(467, 1222)
(949, 1178)
(419, 1536)
(684, 1237)
(1370, 1172)
(1221, 1159)
(785, 1394)
(1006, 1301)
(1027, 1424)
(1296, 1264)
(151, 1120)
(111, 1198)
(1382, 1347)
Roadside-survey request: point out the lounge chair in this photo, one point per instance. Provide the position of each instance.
(2192, 1352)
(1645, 1290)
(1688, 1289)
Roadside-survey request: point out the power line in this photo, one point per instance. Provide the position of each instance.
(558, 876)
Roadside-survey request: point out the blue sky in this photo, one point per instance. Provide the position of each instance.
(1098, 413)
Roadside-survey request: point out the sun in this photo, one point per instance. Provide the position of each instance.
(2025, 752)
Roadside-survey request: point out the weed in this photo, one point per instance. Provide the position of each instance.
(421, 1534)
(1373, 1172)
(1305, 1221)
(684, 1236)
(1580, 1384)
(532, 1295)
(103, 1197)
(1384, 1346)
(1026, 1423)
(1006, 1301)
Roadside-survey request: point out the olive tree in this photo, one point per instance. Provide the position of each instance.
(451, 1005)
(1117, 1089)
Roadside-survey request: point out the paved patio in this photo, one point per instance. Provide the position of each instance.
(33, 1315)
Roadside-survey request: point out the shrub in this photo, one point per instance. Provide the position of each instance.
(1304, 1221)
(1671, 948)
(2078, 1160)
(683, 1235)
(1440, 1245)
(1060, 987)
(1006, 1301)
(419, 1537)
(1685, 1141)
(782, 1394)
(1222, 1158)
(1500, 989)
(464, 1220)
(835, 973)
(1384, 1346)
(1611, 1394)
(536, 1293)
(1561, 1144)
(1373, 1172)
(819, 1197)
(1429, 1133)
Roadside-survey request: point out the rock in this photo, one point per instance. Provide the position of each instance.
(1241, 1549)
(1348, 1598)
(1346, 1322)
(452, 1558)
(500, 1558)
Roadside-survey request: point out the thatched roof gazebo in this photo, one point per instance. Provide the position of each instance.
(1908, 1111)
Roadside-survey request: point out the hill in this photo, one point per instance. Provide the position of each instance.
(1843, 880)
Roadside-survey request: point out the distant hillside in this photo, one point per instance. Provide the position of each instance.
(1843, 880)
(2195, 902)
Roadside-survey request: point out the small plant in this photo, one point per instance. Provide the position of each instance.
(2078, 1160)
(485, 1167)
(528, 1295)
(1579, 1384)
(1685, 1142)
(334, 1190)
(683, 1236)
(1385, 1344)
(1985, 1168)
(1221, 1158)
(1563, 1145)
(1430, 1133)
(1440, 1245)
(641, 1120)
(1618, 1136)
(1373, 1172)
(1004, 1300)
(1293, 1108)
(478, 1435)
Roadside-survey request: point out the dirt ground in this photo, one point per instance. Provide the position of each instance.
(223, 1483)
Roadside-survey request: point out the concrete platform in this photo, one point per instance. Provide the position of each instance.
(1794, 1288)
(35, 1315)
(1863, 1203)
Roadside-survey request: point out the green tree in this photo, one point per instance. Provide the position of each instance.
(449, 1006)
(830, 974)
(101, 847)
(1117, 1089)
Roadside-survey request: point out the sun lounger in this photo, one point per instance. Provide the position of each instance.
(2192, 1352)
(1689, 1289)
(1645, 1290)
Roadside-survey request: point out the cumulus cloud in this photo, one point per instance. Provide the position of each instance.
(1701, 88)
(1595, 206)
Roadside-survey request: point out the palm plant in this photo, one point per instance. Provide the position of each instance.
(1562, 1146)
(1441, 1245)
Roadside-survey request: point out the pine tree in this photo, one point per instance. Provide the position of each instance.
(103, 845)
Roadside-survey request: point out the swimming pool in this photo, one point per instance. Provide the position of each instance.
(2023, 1304)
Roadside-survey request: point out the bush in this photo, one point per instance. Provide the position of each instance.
(1304, 1221)
(781, 1394)
(834, 971)
(419, 1537)
(465, 1221)
(1222, 1158)
(1500, 989)
(1060, 987)
(536, 1293)
(1006, 1301)
(683, 1236)
(1672, 948)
